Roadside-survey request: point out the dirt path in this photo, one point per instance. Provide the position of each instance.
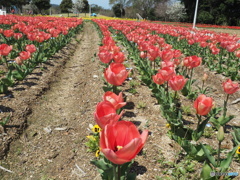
(52, 145)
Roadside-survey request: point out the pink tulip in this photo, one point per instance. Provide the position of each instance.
(158, 79)
(105, 114)
(105, 56)
(116, 100)
(203, 104)
(121, 142)
(119, 57)
(24, 55)
(192, 61)
(31, 48)
(116, 74)
(177, 82)
(167, 72)
(5, 49)
(230, 87)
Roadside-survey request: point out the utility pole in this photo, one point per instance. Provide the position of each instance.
(89, 10)
(195, 14)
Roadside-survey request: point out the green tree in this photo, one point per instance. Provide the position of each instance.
(221, 12)
(18, 3)
(118, 10)
(42, 4)
(122, 4)
(86, 7)
(66, 6)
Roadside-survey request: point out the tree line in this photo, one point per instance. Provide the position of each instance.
(219, 12)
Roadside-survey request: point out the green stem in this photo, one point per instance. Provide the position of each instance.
(167, 90)
(219, 146)
(225, 106)
(175, 95)
(115, 172)
(119, 172)
(5, 61)
(190, 81)
(199, 120)
(114, 89)
(202, 86)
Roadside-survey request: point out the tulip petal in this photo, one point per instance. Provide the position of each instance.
(111, 156)
(130, 150)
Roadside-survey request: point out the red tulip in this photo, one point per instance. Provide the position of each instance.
(17, 35)
(105, 114)
(230, 87)
(167, 72)
(203, 104)
(5, 49)
(166, 55)
(105, 56)
(8, 33)
(24, 55)
(119, 57)
(177, 82)
(143, 54)
(121, 142)
(192, 61)
(158, 78)
(116, 100)
(167, 64)
(31, 48)
(215, 50)
(237, 53)
(116, 74)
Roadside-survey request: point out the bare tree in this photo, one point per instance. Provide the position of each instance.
(161, 9)
(78, 6)
(176, 11)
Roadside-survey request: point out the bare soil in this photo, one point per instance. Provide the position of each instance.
(51, 111)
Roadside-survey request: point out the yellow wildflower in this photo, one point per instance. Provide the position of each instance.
(91, 138)
(168, 125)
(96, 128)
(97, 153)
(238, 150)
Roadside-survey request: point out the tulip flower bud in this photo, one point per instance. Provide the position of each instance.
(205, 76)
(220, 134)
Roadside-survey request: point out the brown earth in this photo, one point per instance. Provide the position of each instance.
(52, 109)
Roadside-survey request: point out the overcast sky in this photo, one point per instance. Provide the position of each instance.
(103, 3)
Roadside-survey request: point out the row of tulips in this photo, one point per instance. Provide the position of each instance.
(119, 140)
(219, 51)
(189, 25)
(187, 137)
(27, 41)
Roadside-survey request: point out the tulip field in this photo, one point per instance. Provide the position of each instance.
(118, 99)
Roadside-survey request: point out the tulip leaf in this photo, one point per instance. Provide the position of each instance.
(210, 157)
(200, 130)
(225, 164)
(225, 120)
(206, 172)
(236, 135)
(215, 122)
(105, 168)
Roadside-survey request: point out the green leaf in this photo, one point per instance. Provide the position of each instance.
(7, 82)
(205, 174)
(200, 130)
(236, 135)
(225, 120)
(210, 157)
(225, 164)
